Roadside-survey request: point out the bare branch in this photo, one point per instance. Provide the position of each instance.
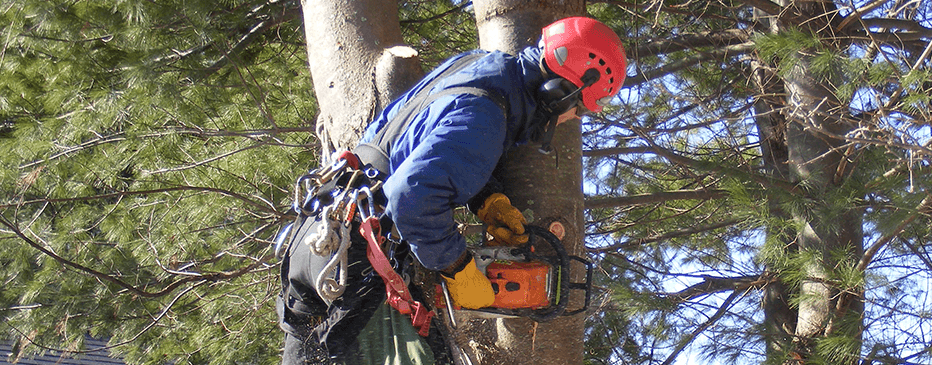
(718, 315)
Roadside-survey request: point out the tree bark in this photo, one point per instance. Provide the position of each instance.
(358, 64)
(550, 186)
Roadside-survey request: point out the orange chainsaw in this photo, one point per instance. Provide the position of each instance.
(531, 280)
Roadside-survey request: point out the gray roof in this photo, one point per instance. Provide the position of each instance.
(54, 357)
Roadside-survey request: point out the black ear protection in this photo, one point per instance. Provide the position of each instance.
(557, 96)
(553, 95)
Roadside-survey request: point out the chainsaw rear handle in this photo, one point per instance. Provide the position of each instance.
(565, 285)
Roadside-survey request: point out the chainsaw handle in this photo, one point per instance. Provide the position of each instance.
(545, 315)
(585, 286)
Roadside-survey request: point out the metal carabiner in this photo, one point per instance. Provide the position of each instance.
(298, 203)
(371, 202)
(351, 205)
(283, 235)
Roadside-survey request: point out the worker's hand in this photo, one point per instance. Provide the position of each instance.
(505, 222)
(469, 287)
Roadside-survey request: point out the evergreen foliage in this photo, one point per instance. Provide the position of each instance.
(709, 210)
(148, 151)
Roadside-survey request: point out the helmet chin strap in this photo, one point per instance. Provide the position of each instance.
(547, 137)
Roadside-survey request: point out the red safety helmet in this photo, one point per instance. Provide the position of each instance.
(575, 45)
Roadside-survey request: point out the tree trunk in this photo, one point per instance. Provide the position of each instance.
(779, 316)
(550, 186)
(829, 235)
(358, 63)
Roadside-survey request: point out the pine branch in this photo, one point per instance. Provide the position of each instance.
(149, 326)
(212, 277)
(641, 199)
(765, 181)
(614, 151)
(117, 137)
(290, 10)
(254, 134)
(121, 194)
(766, 6)
(712, 284)
(923, 209)
(455, 9)
(666, 236)
(665, 9)
(690, 41)
(717, 54)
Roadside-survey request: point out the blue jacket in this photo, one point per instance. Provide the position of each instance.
(447, 153)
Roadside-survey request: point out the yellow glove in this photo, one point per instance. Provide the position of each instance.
(505, 222)
(470, 288)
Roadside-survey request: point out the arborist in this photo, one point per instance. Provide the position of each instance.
(431, 150)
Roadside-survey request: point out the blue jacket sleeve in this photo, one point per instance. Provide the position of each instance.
(453, 150)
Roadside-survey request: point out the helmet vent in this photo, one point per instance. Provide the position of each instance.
(608, 71)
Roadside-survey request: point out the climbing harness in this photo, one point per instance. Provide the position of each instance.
(376, 152)
(339, 196)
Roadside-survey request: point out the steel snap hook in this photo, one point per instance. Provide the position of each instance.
(365, 193)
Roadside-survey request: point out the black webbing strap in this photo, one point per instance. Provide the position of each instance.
(376, 152)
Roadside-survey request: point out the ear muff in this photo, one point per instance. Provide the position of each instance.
(553, 95)
(557, 96)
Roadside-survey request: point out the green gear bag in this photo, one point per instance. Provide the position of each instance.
(390, 339)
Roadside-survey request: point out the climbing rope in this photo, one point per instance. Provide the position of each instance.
(331, 282)
(326, 238)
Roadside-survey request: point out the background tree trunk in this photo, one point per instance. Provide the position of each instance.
(549, 186)
(779, 316)
(829, 230)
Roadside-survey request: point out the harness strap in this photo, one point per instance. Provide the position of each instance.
(376, 152)
(399, 297)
